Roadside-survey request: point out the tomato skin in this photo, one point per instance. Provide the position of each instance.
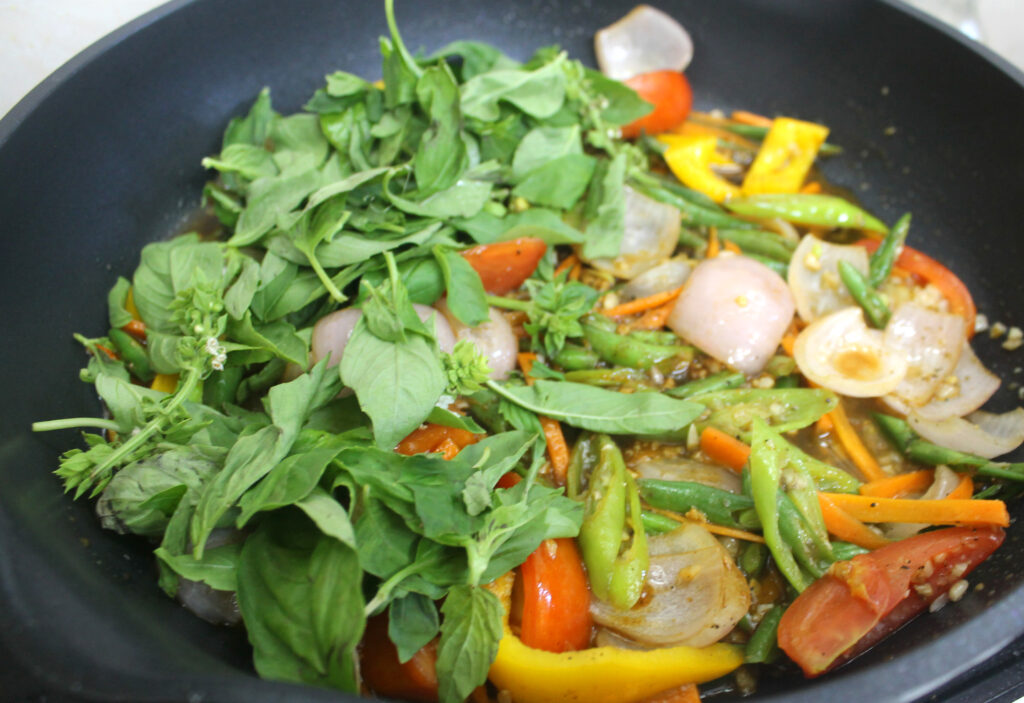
(556, 599)
(858, 602)
(415, 680)
(504, 266)
(671, 95)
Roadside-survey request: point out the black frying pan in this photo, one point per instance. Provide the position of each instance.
(105, 157)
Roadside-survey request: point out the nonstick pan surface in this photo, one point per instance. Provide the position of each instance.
(104, 157)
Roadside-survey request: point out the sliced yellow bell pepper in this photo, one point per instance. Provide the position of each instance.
(785, 157)
(601, 674)
(691, 156)
(129, 305)
(166, 382)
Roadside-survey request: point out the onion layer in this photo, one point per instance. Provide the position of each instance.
(985, 434)
(494, 339)
(649, 238)
(644, 40)
(663, 277)
(813, 276)
(971, 388)
(331, 333)
(931, 342)
(683, 469)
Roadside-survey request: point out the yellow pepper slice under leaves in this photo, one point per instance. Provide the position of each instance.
(601, 674)
(785, 156)
(690, 158)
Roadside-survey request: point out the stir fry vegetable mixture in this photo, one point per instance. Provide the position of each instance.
(475, 395)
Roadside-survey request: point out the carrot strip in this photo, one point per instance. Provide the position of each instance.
(841, 524)
(137, 329)
(567, 263)
(964, 490)
(653, 319)
(724, 449)
(642, 304)
(932, 512)
(899, 486)
(732, 246)
(687, 693)
(714, 246)
(526, 360)
(577, 271)
(788, 341)
(851, 442)
(811, 188)
(696, 516)
(751, 118)
(824, 425)
(111, 354)
(558, 450)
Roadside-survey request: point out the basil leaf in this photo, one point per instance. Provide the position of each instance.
(443, 416)
(558, 183)
(623, 105)
(302, 609)
(606, 209)
(397, 383)
(117, 298)
(412, 623)
(539, 222)
(441, 155)
(278, 338)
(239, 296)
(268, 197)
(463, 199)
(328, 515)
(386, 544)
(246, 160)
(600, 410)
(254, 127)
(217, 569)
(477, 57)
(544, 144)
(290, 481)
(538, 93)
(466, 296)
(470, 633)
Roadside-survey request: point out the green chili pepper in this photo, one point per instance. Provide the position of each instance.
(763, 646)
(885, 256)
(875, 308)
(798, 538)
(682, 496)
(716, 382)
(654, 337)
(761, 242)
(753, 559)
(807, 209)
(618, 376)
(804, 496)
(844, 551)
(581, 463)
(758, 133)
(689, 238)
(612, 510)
(573, 357)
(656, 523)
(785, 409)
(906, 441)
(133, 354)
(776, 266)
(621, 350)
(221, 386)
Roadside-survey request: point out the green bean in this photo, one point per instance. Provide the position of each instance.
(988, 492)
(748, 519)
(672, 185)
(693, 214)
(807, 209)
(790, 381)
(716, 382)
(758, 133)
(763, 646)
(618, 376)
(718, 506)
(753, 241)
(875, 308)
(133, 354)
(573, 357)
(896, 430)
(885, 256)
(221, 386)
(776, 266)
(621, 350)
(689, 238)
(611, 504)
(753, 559)
(656, 523)
(844, 551)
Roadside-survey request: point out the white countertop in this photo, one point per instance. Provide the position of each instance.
(38, 36)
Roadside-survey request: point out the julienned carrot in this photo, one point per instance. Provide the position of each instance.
(964, 490)
(724, 449)
(931, 512)
(732, 246)
(824, 425)
(751, 118)
(858, 453)
(788, 341)
(696, 516)
(900, 485)
(567, 263)
(137, 329)
(558, 450)
(525, 360)
(642, 304)
(687, 693)
(653, 319)
(577, 271)
(841, 524)
(714, 246)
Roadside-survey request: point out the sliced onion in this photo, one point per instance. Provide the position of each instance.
(494, 339)
(649, 238)
(663, 277)
(840, 353)
(974, 386)
(735, 309)
(813, 276)
(644, 40)
(985, 434)
(931, 343)
(683, 469)
(209, 604)
(331, 332)
(694, 594)
(945, 481)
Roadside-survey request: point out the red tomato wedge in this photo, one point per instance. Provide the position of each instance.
(669, 92)
(860, 601)
(415, 680)
(556, 600)
(504, 266)
(429, 438)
